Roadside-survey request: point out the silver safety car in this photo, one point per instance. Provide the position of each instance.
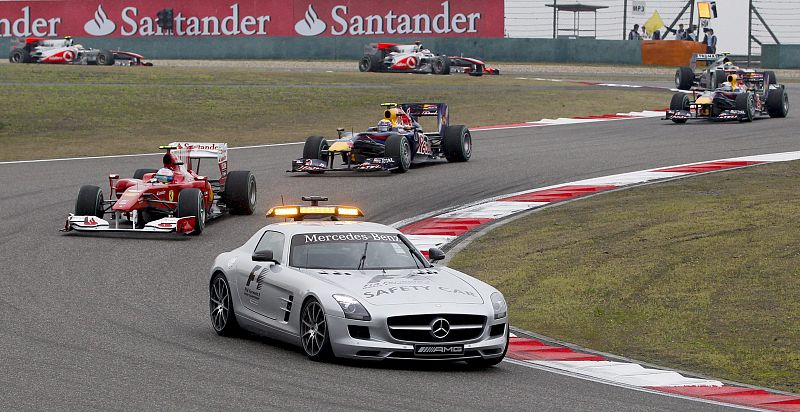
(351, 289)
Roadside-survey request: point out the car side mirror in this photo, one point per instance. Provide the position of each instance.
(264, 256)
(435, 254)
(202, 178)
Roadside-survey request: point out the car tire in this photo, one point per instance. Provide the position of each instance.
(477, 70)
(772, 79)
(457, 143)
(139, 173)
(369, 63)
(778, 102)
(314, 336)
(105, 58)
(440, 65)
(398, 148)
(313, 149)
(684, 78)
(484, 363)
(19, 56)
(744, 101)
(192, 203)
(223, 317)
(89, 202)
(680, 101)
(241, 192)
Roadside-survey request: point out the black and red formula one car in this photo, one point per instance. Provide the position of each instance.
(174, 198)
(414, 58)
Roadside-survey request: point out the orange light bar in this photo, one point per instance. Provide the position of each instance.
(296, 212)
(349, 211)
(284, 211)
(317, 210)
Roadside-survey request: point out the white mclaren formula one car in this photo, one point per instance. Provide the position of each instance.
(355, 290)
(65, 51)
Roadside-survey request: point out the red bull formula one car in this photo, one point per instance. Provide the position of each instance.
(397, 142)
(414, 58)
(744, 96)
(64, 51)
(175, 198)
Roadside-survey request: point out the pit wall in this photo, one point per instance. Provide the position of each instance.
(352, 48)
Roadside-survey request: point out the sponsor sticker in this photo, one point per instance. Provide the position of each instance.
(438, 350)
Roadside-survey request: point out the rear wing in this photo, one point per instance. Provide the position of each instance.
(416, 110)
(186, 151)
(706, 58)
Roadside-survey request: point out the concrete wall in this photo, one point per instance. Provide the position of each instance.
(351, 48)
(784, 56)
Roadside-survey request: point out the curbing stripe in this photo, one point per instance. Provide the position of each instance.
(447, 227)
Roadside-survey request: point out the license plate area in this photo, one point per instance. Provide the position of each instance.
(438, 350)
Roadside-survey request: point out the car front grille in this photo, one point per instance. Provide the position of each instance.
(417, 328)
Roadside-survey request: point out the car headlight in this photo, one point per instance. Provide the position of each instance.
(499, 305)
(352, 308)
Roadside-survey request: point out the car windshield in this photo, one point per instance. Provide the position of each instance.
(354, 251)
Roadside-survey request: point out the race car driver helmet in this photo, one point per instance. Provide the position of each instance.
(384, 125)
(727, 87)
(164, 175)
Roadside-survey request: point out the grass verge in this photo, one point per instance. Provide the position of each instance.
(63, 111)
(699, 274)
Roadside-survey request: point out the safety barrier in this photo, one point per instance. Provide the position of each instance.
(780, 56)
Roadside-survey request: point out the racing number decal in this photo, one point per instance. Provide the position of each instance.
(171, 195)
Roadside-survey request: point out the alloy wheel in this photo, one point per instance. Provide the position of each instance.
(314, 329)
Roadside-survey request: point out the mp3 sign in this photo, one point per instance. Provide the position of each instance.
(137, 18)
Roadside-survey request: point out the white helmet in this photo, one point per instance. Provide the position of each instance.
(164, 175)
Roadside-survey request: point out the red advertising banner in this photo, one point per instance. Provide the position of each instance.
(137, 18)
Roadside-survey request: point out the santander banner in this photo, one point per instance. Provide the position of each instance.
(137, 18)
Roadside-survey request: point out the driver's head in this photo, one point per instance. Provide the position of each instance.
(164, 175)
(726, 86)
(384, 125)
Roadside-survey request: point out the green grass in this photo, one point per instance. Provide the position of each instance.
(60, 111)
(701, 274)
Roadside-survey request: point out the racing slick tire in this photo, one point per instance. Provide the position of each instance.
(680, 101)
(223, 317)
(241, 192)
(19, 56)
(139, 173)
(314, 331)
(488, 363)
(313, 148)
(369, 63)
(105, 58)
(398, 148)
(90, 201)
(772, 78)
(457, 143)
(440, 65)
(744, 101)
(778, 102)
(684, 78)
(191, 203)
(477, 70)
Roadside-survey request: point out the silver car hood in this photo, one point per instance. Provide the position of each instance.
(404, 286)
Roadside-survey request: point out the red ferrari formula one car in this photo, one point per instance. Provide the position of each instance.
(414, 58)
(174, 198)
(64, 51)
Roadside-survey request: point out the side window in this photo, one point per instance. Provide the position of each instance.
(272, 241)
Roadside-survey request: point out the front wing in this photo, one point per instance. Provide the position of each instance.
(164, 225)
(318, 165)
(693, 115)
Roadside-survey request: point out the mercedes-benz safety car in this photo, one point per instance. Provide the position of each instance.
(397, 142)
(743, 96)
(715, 71)
(173, 199)
(65, 51)
(414, 58)
(350, 289)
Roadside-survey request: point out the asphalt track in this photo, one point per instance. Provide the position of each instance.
(108, 323)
